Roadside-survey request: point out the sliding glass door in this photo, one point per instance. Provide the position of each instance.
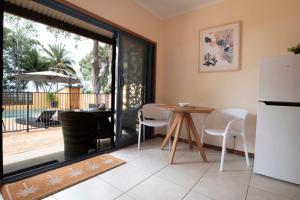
(132, 82)
(116, 70)
(35, 135)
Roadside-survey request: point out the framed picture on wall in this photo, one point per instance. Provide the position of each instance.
(220, 48)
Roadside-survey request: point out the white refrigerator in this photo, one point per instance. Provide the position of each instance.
(277, 147)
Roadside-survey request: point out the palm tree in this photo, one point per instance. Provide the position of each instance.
(58, 59)
(34, 62)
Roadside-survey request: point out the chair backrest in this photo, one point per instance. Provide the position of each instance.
(152, 111)
(221, 117)
(79, 132)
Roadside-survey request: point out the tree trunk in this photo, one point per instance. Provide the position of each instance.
(96, 67)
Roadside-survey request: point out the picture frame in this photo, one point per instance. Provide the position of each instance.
(220, 48)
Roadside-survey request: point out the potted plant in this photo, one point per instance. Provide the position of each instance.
(52, 100)
(295, 49)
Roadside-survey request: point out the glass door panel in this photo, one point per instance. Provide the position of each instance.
(131, 87)
(36, 130)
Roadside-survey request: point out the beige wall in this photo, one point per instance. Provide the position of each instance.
(268, 28)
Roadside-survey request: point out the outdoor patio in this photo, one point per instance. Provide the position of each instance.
(32, 134)
(32, 148)
(25, 149)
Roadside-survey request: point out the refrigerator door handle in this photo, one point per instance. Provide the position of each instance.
(278, 103)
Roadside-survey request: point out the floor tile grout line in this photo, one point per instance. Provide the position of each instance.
(129, 188)
(252, 173)
(147, 178)
(248, 185)
(124, 193)
(155, 173)
(130, 196)
(171, 181)
(182, 154)
(102, 179)
(196, 182)
(129, 160)
(275, 194)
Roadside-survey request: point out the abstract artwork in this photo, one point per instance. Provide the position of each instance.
(219, 48)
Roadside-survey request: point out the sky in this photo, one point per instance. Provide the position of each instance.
(84, 46)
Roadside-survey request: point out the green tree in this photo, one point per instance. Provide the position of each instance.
(18, 42)
(92, 63)
(59, 60)
(96, 66)
(86, 64)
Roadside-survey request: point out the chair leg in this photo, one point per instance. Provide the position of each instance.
(245, 148)
(203, 136)
(223, 152)
(170, 140)
(144, 133)
(139, 136)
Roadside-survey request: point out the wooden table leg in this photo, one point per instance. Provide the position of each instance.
(196, 136)
(179, 123)
(170, 131)
(188, 133)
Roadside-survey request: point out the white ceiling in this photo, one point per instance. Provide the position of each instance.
(171, 8)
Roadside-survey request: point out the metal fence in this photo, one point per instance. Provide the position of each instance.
(30, 110)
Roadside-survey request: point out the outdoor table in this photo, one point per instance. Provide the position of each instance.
(181, 114)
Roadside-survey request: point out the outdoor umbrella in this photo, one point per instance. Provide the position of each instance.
(47, 77)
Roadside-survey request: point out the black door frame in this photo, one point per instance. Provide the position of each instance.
(81, 14)
(1, 90)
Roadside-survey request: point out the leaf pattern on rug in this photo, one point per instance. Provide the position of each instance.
(48, 183)
(53, 180)
(75, 172)
(93, 166)
(108, 161)
(27, 190)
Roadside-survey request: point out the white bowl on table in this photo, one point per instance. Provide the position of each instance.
(183, 104)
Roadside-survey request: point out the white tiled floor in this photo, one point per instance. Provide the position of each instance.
(147, 175)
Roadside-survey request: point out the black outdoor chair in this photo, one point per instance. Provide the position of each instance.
(104, 126)
(79, 133)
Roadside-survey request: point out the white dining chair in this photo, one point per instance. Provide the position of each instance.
(153, 116)
(224, 123)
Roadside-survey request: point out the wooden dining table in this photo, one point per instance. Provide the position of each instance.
(181, 114)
